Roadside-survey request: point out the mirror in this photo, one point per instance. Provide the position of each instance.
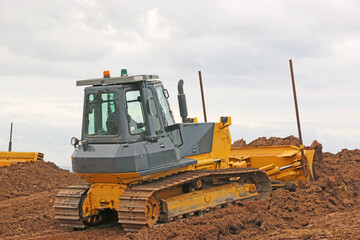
(166, 93)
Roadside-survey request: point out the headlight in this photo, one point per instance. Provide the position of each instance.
(74, 141)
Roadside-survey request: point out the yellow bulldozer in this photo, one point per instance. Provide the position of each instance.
(142, 168)
(8, 158)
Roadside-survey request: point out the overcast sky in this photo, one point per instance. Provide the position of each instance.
(241, 47)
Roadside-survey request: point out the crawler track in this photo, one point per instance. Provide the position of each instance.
(67, 205)
(134, 203)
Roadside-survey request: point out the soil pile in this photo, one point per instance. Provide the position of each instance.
(32, 177)
(272, 141)
(27, 194)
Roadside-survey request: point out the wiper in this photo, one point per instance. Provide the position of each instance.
(97, 95)
(89, 106)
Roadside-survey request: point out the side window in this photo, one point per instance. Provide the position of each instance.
(155, 113)
(165, 110)
(102, 114)
(135, 114)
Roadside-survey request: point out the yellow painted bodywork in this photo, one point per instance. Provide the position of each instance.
(272, 158)
(218, 158)
(207, 198)
(269, 158)
(102, 196)
(8, 158)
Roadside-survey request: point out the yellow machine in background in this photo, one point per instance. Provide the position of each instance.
(8, 158)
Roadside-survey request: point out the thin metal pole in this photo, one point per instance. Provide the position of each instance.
(10, 142)
(202, 96)
(295, 101)
(303, 158)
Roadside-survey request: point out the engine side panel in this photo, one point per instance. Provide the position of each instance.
(197, 138)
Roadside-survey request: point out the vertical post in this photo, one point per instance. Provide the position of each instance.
(202, 96)
(303, 158)
(10, 142)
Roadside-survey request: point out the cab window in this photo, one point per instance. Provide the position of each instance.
(155, 113)
(165, 110)
(167, 115)
(102, 114)
(135, 114)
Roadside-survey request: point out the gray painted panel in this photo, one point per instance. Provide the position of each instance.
(131, 158)
(88, 165)
(161, 152)
(197, 138)
(143, 157)
(104, 158)
(182, 163)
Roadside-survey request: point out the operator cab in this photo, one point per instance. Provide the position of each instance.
(135, 110)
(127, 127)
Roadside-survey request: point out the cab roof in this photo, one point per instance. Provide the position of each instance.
(115, 80)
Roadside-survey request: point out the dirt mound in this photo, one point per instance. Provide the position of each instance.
(272, 141)
(341, 169)
(27, 178)
(27, 195)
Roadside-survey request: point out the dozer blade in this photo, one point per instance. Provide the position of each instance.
(8, 158)
(281, 163)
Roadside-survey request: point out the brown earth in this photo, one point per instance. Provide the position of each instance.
(272, 141)
(326, 209)
(27, 178)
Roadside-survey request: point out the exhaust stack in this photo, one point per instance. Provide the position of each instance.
(182, 101)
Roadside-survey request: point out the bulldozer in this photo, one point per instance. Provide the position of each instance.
(142, 168)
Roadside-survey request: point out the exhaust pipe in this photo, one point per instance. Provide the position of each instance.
(182, 101)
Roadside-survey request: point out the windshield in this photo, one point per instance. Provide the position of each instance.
(102, 114)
